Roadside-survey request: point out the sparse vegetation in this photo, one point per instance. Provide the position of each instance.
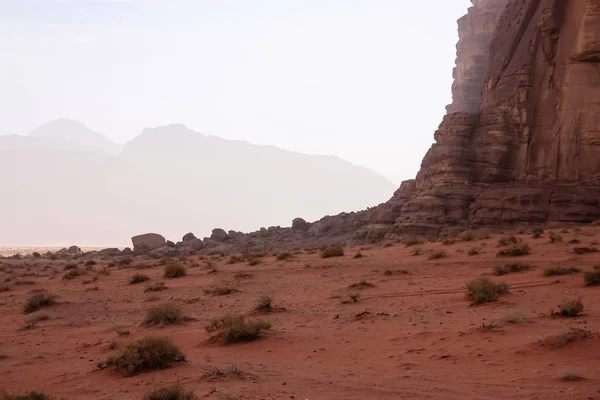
(483, 290)
(559, 271)
(38, 301)
(254, 261)
(437, 254)
(412, 240)
(155, 287)
(473, 251)
(164, 314)
(237, 328)
(220, 291)
(537, 232)
(508, 240)
(592, 278)
(265, 304)
(515, 250)
(555, 237)
(516, 316)
(138, 278)
(570, 308)
(358, 255)
(585, 250)
(147, 354)
(332, 250)
(562, 339)
(174, 269)
(284, 255)
(361, 285)
(35, 317)
(352, 298)
(173, 392)
(417, 252)
(571, 375)
(33, 395)
(72, 273)
(466, 236)
(511, 268)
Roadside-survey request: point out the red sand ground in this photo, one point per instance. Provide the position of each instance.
(420, 340)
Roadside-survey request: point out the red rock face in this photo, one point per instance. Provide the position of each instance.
(521, 139)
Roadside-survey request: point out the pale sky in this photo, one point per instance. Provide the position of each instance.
(366, 80)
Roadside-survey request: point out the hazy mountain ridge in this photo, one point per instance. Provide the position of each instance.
(168, 179)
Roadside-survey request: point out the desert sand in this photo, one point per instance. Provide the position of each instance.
(412, 335)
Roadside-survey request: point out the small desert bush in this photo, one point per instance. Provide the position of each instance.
(284, 255)
(585, 250)
(36, 317)
(164, 314)
(138, 278)
(72, 273)
(124, 262)
(555, 237)
(437, 254)
(417, 252)
(332, 250)
(473, 251)
(516, 316)
(412, 240)
(508, 240)
(574, 241)
(38, 301)
(70, 266)
(361, 285)
(358, 255)
(537, 232)
(511, 268)
(466, 236)
(352, 298)
(592, 278)
(238, 329)
(265, 304)
(35, 254)
(220, 291)
(254, 261)
(558, 271)
(174, 269)
(571, 374)
(515, 250)
(147, 354)
(561, 339)
(570, 308)
(90, 263)
(4, 288)
(155, 287)
(33, 395)
(174, 392)
(483, 290)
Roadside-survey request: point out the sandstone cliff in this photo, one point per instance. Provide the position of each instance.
(521, 139)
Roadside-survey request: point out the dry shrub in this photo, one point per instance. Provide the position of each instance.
(511, 268)
(516, 316)
(265, 304)
(4, 288)
(164, 314)
(332, 250)
(174, 269)
(237, 329)
(33, 395)
(585, 250)
(537, 232)
(555, 237)
(173, 392)
(562, 339)
(570, 308)
(508, 240)
(254, 261)
(147, 354)
(515, 250)
(284, 255)
(412, 240)
(417, 252)
(558, 271)
(358, 255)
(155, 287)
(219, 291)
(361, 285)
(138, 278)
(592, 278)
(38, 301)
(72, 273)
(571, 374)
(437, 254)
(483, 290)
(473, 251)
(36, 317)
(466, 236)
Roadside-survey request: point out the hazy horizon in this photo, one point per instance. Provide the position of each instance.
(366, 81)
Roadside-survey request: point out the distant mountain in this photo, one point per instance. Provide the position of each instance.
(76, 132)
(170, 180)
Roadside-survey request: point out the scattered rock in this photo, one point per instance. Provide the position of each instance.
(147, 242)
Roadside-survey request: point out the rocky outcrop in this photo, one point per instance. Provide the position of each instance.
(521, 140)
(147, 242)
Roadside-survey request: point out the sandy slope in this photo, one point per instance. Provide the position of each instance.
(420, 340)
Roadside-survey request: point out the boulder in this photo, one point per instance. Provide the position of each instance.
(299, 224)
(219, 235)
(74, 250)
(111, 251)
(147, 242)
(170, 243)
(126, 250)
(188, 236)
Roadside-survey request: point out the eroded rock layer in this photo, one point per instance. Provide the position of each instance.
(530, 150)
